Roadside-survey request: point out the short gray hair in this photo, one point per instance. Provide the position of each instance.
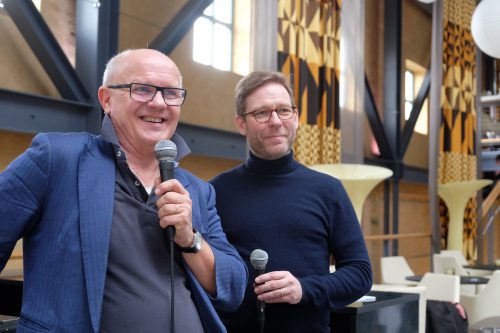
(111, 66)
(254, 80)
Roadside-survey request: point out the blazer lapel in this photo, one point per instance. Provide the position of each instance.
(181, 176)
(96, 179)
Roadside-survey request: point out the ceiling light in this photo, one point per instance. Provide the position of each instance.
(485, 27)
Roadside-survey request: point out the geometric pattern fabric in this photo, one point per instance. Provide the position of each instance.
(308, 52)
(457, 134)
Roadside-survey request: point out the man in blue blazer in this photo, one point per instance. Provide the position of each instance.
(91, 211)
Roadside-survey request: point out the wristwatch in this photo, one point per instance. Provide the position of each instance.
(195, 246)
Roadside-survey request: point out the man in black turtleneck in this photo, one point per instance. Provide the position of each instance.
(298, 216)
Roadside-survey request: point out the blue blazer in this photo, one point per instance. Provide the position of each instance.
(58, 196)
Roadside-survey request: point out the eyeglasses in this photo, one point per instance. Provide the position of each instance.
(263, 115)
(142, 92)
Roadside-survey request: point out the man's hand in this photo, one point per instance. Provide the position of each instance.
(278, 287)
(175, 209)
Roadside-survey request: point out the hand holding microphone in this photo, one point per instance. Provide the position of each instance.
(166, 152)
(174, 204)
(273, 287)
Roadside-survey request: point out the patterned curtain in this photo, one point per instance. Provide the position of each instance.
(308, 51)
(457, 156)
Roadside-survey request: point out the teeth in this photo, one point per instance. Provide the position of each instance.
(152, 120)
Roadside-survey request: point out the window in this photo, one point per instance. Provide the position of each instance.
(414, 76)
(37, 3)
(222, 36)
(213, 35)
(409, 91)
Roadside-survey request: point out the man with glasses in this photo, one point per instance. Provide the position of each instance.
(300, 217)
(91, 210)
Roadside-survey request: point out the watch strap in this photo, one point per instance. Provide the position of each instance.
(195, 246)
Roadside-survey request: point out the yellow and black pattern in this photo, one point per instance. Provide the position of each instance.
(470, 229)
(457, 157)
(308, 51)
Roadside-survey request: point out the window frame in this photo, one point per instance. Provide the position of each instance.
(213, 22)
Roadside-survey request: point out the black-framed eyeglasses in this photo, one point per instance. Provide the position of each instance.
(263, 115)
(143, 92)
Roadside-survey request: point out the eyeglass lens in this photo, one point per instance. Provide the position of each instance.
(284, 113)
(146, 93)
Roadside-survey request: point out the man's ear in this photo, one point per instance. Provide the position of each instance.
(296, 119)
(241, 125)
(104, 98)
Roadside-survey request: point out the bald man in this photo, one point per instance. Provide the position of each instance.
(92, 211)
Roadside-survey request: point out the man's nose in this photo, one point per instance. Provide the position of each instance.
(158, 98)
(274, 119)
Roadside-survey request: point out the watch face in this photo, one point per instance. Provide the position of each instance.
(195, 247)
(197, 242)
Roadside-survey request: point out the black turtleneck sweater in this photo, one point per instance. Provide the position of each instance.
(299, 217)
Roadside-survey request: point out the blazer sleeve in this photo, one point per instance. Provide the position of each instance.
(231, 273)
(22, 193)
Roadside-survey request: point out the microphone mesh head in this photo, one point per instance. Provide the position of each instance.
(165, 150)
(258, 259)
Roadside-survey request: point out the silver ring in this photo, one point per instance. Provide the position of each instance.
(281, 291)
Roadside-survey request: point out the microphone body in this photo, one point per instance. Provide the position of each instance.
(258, 259)
(167, 170)
(258, 271)
(166, 152)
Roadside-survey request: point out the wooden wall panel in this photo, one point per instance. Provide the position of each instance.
(12, 145)
(207, 167)
(413, 218)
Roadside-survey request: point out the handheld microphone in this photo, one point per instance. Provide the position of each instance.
(166, 152)
(258, 259)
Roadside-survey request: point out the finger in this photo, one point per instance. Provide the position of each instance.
(175, 220)
(173, 198)
(167, 220)
(272, 295)
(275, 275)
(276, 293)
(183, 209)
(178, 216)
(271, 287)
(168, 210)
(172, 208)
(171, 185)
(282, 295)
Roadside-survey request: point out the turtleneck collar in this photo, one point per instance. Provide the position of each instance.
(282, 165)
